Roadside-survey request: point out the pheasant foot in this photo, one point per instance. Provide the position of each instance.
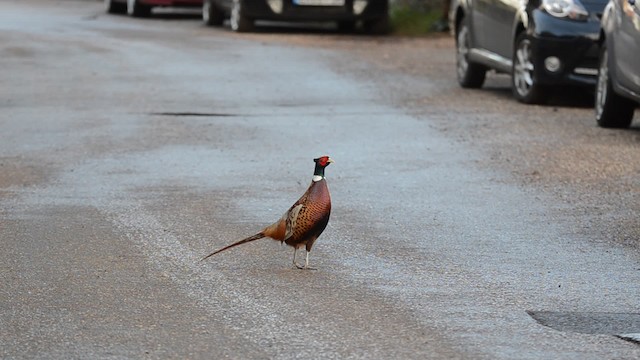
(306, 261)
(305, 267)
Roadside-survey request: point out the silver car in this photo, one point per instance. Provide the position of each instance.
(618, 89)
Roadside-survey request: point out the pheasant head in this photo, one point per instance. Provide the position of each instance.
(321, 163)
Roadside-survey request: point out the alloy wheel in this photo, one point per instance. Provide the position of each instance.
(470, 74)
(612, 110)
(523, 68)
(206, 5)
(235, 15)
(463, 52)
(601, 87)
(239, 21)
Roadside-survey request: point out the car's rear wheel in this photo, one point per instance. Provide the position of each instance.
(470, 74)
(612, 110)
(523, 74)
(211, 14)
(136, 9)
(115, 7)
(379, 26)
(239, 20)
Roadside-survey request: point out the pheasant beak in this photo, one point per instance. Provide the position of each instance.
(330, 160)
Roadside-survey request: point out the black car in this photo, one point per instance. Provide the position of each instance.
(374, 14)
(142, 8)
(541, 43)
(618, 90)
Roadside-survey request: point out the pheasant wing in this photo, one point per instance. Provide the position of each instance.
(292, 218)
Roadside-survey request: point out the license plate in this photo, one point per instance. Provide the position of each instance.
(319, 2)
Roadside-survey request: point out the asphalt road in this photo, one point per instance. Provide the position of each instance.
(464, 225)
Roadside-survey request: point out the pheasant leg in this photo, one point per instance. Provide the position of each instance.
(295, 264)
(306, 264)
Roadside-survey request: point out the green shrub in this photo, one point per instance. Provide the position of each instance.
(409, 21)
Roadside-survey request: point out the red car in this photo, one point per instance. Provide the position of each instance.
(142, 8)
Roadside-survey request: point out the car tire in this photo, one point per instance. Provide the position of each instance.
(113, 7)
(212, 15)
(470, 75)
(612, 110)
(524, 82)
(239, 21)
(137, 9)
(379, 26)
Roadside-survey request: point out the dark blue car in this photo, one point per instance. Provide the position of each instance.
(541, 43)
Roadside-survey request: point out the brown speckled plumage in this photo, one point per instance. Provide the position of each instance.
(305, 220)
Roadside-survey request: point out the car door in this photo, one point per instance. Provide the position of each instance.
(499, 26)
(480, 9)
(627, 45)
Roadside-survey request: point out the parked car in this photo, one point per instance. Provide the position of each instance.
(374, 14)
(142, 8)
(541, 43)
(618, 90)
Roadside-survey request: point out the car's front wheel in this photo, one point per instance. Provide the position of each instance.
(524, 84)
(239, 20)
(612, 110)
(470, 74)
(136, 9)
(115, 7)
(211, 14)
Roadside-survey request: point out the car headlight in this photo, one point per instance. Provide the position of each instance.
(571, 9)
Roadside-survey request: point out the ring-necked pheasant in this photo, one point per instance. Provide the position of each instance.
(303, 223)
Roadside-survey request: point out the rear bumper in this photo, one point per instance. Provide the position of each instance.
(374, 9)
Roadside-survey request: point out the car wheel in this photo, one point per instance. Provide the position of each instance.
(239, 21)
(612, 110)
(379, 26)
(523, 75)
(115, 7)
(470, 75)
(136, 9)
(211, 14)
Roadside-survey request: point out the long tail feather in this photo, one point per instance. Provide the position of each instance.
(257, 236)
